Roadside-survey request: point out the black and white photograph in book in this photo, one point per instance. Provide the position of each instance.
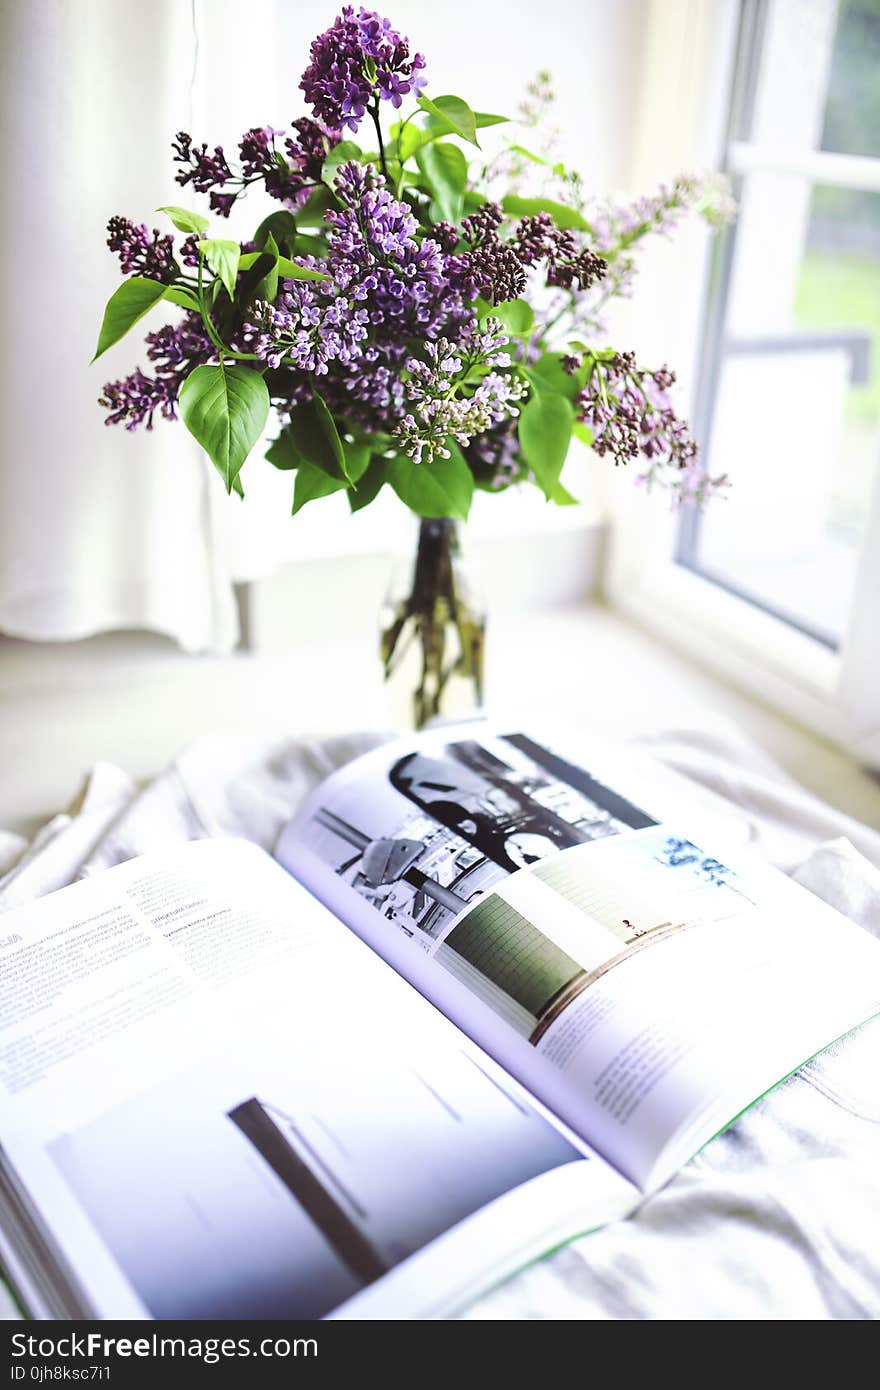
(267, 1189)
(456, 818)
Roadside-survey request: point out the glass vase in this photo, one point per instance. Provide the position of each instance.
(433, 629)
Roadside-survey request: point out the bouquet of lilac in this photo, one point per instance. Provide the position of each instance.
(408, 326)
(415, 317)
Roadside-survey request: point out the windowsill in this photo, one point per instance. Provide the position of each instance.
(134, 700)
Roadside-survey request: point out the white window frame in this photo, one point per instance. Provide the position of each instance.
(837, 693)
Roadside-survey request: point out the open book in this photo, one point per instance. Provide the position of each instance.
(486, 999)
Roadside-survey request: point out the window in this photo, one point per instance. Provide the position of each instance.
(789, 400)
(780, 583)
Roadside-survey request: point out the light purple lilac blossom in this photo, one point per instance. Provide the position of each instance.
(445, 406)
(387, 288)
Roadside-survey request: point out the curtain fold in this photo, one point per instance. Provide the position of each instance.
(98, 529)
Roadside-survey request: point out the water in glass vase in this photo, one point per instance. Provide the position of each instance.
(433, 628)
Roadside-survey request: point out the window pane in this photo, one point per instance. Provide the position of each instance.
(797, 407)
(791, 399)
(852, 112)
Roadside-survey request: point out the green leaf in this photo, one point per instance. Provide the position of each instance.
(312, 483)
(369, 485)
(583, 433)
(223, 258)
(279, 225)
(515, 314)
(267, 288)
(357, 458)
(548, 374)
(183, 296)
(407, 137)
(308, 439)
(259, 265)
(444, 167)
(225, 407)
(544, 431)
(133, 299)
(442, 488)
(562, 497)
(564, 217)
(312, 215)
(343, 153)
(283, 453)
(410, 138)
(455, 114)
(558, 169)
(289, 270)
(331, 433)
(186, 221)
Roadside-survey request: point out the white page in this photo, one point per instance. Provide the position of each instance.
(224, 1105)
(611, 977)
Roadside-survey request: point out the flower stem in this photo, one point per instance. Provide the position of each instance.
(374, 112)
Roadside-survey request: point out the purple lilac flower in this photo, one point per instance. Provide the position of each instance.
(206, 172)
(175, 350)
(630, 413)
(386, 288)
(617, 225)
(444, 406)
(290, 177)
(568, 266)
(140, 253)
(494, 457)
(337, 84)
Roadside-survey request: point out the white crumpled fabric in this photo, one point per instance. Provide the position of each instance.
(775, 1218)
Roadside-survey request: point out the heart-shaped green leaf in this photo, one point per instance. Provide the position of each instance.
(343, 153)
(289, 270)
(544, 431)
(133, 299)
(223, 258)
(283, 453)
(183, 297)
(331, 434)
(312, 483)
(369, 485)
(225, 407)
(442, 488)
(186, 221)
(444, 169)
(281, 226)
(455, 114)
(516, 315)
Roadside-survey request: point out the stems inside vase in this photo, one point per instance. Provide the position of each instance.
(438, 617)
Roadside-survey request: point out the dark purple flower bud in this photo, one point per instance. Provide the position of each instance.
(141, 253)
(174, 350)
(203, 170)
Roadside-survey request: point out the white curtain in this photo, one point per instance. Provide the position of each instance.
(98, 529)
(101, 529)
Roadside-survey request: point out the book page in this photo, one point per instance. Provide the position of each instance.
(598, 951)
(220, 1104)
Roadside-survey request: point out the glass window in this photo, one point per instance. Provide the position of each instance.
(789, 402)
